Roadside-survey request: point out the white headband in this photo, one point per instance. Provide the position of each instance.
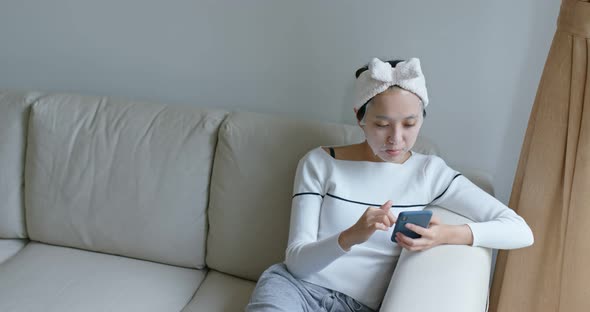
(380, 76)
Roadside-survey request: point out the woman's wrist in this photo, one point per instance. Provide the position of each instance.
(343, 241)
(457, 235)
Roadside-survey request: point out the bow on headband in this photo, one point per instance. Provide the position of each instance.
(381, 76)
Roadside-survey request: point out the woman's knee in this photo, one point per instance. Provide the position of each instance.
(276, 290)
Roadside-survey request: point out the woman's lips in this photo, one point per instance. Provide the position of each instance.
(393, 152)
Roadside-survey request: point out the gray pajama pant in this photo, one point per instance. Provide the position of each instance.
(278, 290)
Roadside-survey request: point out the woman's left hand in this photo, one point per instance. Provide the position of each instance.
(431, 237)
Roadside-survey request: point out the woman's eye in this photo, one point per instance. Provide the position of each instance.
(410, 126)
(382, 126)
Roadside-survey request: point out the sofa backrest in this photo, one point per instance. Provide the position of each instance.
(14, 111)
(120, 177)
(252, 185)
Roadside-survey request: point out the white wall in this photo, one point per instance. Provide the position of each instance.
(482, 59)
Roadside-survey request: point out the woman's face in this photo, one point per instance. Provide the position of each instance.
(392, 123)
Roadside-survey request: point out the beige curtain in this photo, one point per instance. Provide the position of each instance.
(552, 184)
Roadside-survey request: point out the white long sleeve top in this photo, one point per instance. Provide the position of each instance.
(330, 195)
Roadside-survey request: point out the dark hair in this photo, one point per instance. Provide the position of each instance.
(361, 112)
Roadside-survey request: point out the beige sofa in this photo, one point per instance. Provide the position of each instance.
(117, 205)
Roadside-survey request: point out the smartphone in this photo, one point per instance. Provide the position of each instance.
(420, 218)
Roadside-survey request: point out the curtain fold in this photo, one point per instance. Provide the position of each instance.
(552, 184)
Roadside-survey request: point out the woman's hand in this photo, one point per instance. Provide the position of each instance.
(372, 220)
(436, 234)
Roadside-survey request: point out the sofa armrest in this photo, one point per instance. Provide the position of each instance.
(445, 278)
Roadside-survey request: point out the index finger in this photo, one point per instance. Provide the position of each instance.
(387, 205)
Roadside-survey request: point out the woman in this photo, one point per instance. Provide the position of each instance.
(340, 256)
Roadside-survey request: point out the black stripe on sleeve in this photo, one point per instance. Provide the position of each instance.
(307, 193)
(378, 205)
(443, 193)
(357, 202)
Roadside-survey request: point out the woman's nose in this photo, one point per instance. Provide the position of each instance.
(394, 136)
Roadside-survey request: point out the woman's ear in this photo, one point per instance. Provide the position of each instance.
(358, 122)
(356, 110)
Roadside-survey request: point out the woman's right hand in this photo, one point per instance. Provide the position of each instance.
(372, 220)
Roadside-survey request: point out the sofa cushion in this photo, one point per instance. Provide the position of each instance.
(64, 279)
(249, 222)
(215, 290)
(9, 248)
(14, 112)
(120, 177)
